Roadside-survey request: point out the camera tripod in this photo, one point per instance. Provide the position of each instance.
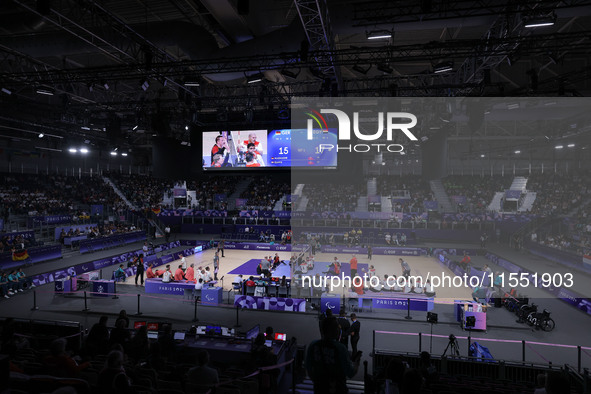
(452, 345)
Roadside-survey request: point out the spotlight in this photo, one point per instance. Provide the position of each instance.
(443, 67)
(41, 135)
(83, 150)
(558, 147)
(105, 85)
(540, 21)
(135, 127)
(72, 150)
(186, 127)
(383, 67)
(145, 84)
(7, 91)
(45, 90)
(482, 156)
(254, 78)
(124, 154)
(571, 145)
(192, 82)
(360, 69)
(379, 35)
(113, 153)
(517, 152)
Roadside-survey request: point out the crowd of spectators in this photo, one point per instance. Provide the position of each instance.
(263, 193)
(478, 190)
(114, 358)
(332, 198)
(8, 243)
(102, 230)
(558, 194)
(414, 188)
(28, 194)
(575, 234)
(142, 191)
(206, 189)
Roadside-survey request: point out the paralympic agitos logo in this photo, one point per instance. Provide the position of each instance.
(390, 119)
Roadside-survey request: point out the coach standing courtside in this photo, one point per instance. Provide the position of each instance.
(139, 273)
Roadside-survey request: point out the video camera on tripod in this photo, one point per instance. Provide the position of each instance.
(452, 346)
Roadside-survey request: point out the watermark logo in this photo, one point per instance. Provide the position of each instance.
(391, 120)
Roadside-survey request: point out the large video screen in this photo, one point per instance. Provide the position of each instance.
(268, 149)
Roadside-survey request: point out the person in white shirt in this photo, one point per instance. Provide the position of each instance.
(396, 286)
(145, 248)
(385, 286)
(237, 280)
(388, 238)
(184, 263)
(429, 289)
(167, 277)
(418, 287)
(207, 276)
(199, 284)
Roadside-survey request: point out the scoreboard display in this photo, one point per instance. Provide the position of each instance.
(281, 148)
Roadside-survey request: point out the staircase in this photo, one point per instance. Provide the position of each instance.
(298, 200)
(167, 200)
(372, 187)
(495, 204)
(240, 188)
(519, 183)
(528, 202)
(441, 196)
(279, 204)
(307, 387)
(119, 193)
(386, 204)
(362, 204)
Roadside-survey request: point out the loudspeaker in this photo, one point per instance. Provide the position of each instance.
(436, 150)
(195, 134)
(161, 124)
(243, 7)
(170, 159)
(114, 130)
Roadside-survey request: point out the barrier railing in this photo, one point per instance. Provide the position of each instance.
(542, 354)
